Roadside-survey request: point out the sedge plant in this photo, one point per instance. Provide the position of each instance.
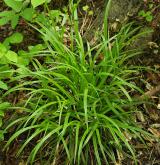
(77, 109)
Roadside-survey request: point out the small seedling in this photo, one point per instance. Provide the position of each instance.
(147, 14)
(87, 10)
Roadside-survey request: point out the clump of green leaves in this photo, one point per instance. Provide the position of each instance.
(147, 15)
(15, 38)
(77, 107)
(8, 57)
(20, 8)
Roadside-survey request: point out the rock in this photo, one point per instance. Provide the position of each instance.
(121, 8)
(142, 40)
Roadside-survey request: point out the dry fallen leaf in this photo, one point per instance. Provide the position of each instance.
(127, 135)
(156, 125)
(140, 116)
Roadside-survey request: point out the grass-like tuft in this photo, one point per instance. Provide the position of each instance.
(78, 110)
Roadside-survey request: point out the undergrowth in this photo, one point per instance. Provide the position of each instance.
(77, 109)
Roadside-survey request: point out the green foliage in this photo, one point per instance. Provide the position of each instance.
(76, 106)
(87, 10)
(13, 17)
(5, 71)
(17, 5)
(7, 56)
(27, 14)
(15, 38)
(14, 4)
(36, 3)
(20, 8)
(3, 85)
(147, 15)
(3, 107)
(25, 57)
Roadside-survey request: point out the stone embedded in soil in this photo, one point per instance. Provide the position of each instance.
(121, 8)
(142, 42)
